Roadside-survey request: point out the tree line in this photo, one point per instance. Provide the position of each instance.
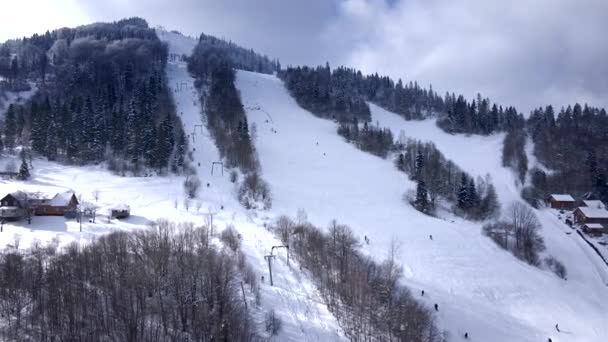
(439, 178)
(368, 138)
(213, 65)
(165, 283)
(574, 146)
(239, 57)
(102, 97)
(341, 94)
(366, 297)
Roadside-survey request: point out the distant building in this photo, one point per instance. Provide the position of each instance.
(594, 229)
(121, 211)
(585, 215)
(14, 206)
(593, 204)
(562, 201)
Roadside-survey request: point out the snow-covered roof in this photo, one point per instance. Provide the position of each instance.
(594, 204)
(594, 212)
(121, 207)
(594, 226)
(562, 197)
(61, 199)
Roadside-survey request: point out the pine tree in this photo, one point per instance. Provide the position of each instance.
(401, 162)
(422, 199)
(24, 170)
(419, 165)
(179, 153)
(463, 192)
(472, 196)
(10, 127)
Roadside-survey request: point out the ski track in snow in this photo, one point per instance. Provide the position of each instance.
(480, 288)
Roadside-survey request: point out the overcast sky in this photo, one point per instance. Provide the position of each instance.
(520, 52)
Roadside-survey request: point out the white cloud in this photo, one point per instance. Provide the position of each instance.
(19, 18)
(522, 52)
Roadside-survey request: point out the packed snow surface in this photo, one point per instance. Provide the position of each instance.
(480, 288)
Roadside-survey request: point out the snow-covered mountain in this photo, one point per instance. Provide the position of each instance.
(480, 289)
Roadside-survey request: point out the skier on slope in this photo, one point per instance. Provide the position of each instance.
(557, 327)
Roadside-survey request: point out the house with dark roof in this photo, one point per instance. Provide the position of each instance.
(14, 206)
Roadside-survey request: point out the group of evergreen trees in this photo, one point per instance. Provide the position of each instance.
(326, 93)
(574, 146)
(213, 63)
(478, 116)
(514, 153)
(211, 51)
(438, 177)
(102, 96)
(369, 138)
(341, 94)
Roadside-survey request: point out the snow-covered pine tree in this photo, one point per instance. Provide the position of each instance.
(24, 169)
(422, 199)
(10, 127)
(463, 192)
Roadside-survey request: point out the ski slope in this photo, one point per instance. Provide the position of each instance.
(480, 288)
(293, 297)
(477, 155)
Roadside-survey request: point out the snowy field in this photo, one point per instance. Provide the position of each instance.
(480, 288)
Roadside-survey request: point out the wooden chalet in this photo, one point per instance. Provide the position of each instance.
(593, 204)
(58, 205)
(594, 229)
(585, 215)
(562, 201)
(14, 206)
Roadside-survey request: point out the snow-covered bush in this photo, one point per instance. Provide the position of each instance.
(231, 238)
(254, 192)
(556, 267)
(191, 186)
(234, 176)
(273, 323)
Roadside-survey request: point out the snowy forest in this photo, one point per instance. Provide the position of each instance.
(438, 178)
(574, 145)
(341, 94)
(102, 96)
(213, 64)
(164, 283)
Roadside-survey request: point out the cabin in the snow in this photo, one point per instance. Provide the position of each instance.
(120, 211)
(58, 205)
(594, 229)
(593, 204)
(562, 201)
(585, 215)
(14, 206)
